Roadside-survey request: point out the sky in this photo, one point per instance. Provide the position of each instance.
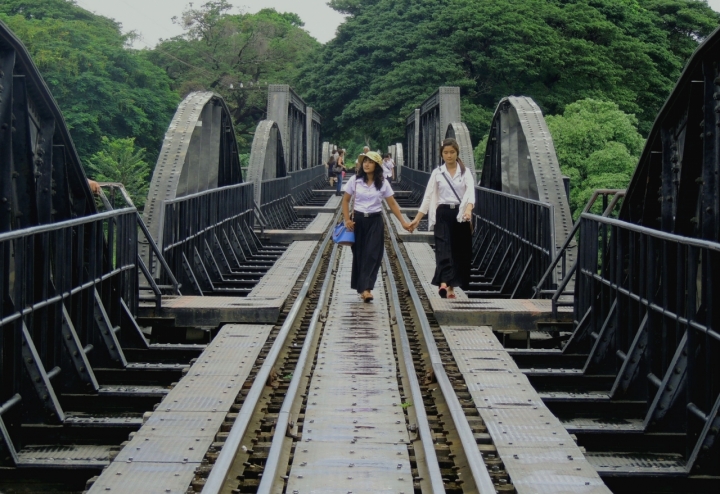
(151, 19)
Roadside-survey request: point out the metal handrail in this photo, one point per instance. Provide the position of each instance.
(147, 272)
(561, 253)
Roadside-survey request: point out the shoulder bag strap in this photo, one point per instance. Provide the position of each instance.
(451, 186)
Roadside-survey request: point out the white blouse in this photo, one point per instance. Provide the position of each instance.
(445, 193)
(367, 198)
(433, 193)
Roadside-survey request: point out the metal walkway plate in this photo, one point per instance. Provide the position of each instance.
(314, 231)
(354, 435)
(186, 422)
(277, 283)
(320, 223)
(145, 478)
(539, 454)
(503, 314)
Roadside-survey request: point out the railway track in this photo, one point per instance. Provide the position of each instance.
(357, 396)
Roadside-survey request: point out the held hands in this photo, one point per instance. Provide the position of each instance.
(350, 225)
(412, 225)
(407, 226)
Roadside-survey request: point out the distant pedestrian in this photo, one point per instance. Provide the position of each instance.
(369, 188)
(450, 198)
(339, 171)
(331, 169)
(389, 168)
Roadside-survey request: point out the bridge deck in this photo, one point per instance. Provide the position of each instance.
(164, 453)
(313, 231)
(262, 305)
(503, 315)
(538, 452)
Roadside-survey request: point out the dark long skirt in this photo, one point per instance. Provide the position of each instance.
(453, 249)
(368, 251)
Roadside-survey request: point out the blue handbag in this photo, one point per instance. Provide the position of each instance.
(342, 236)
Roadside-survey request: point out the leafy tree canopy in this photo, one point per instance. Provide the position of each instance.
(103, 87)
(597, 145)
(390, 55)
(119, 160)
(236, 56)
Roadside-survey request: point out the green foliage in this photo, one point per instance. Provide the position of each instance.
(102, 87)
(390, 55)
(598, 146)
(121, 161)
(236, 56)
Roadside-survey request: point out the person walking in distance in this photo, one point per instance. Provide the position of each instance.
(449, 199)
(389, 168)
(331, 169)
(369, 188)
(339, 171)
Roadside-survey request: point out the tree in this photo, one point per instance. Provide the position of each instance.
(121, 161)
(103, 87)
(598, 147)
(236, 56)
(390, 55)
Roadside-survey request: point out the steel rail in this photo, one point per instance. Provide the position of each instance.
(426, 437)
(477, 466)
(283, 421)
(218, 475)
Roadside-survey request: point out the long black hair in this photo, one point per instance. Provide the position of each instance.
(378, 175)
(450, 142)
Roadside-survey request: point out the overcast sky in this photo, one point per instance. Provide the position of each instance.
(151, 18)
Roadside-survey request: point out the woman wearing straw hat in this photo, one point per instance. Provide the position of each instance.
(369, 188)
(449, 198)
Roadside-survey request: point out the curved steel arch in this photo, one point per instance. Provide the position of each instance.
(267, 158)
(520, 159)
(41, 178)
(199, 153)
(460, 132)
(676, 185)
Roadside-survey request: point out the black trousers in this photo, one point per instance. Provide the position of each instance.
(453, 249)
(367, 250)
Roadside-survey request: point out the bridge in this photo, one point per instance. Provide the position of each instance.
(211, 342)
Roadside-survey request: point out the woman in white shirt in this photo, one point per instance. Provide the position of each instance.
(369, 188)
(449, 198)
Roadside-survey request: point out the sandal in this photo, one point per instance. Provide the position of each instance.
(451, 295)
(443, 292)
(367, 298)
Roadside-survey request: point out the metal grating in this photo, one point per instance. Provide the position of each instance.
(279, 281)
(538, 453)
(186, 422)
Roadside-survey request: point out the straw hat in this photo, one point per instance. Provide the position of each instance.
(371, 155)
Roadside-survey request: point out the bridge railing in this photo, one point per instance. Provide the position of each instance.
(277, 202)
(302, 183)
(416, 181)
(645, 309)
(513, 244)
(208, 235)
(70, 296)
